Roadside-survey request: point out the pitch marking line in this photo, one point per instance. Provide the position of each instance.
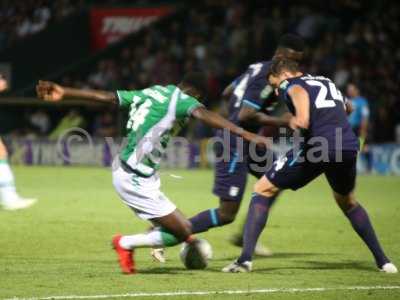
(222, 292)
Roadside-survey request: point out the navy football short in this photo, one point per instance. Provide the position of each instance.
(231, 174)
(294, 171)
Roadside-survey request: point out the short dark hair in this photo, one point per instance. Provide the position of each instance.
(292, 41)
(196, 80)
(283, 64)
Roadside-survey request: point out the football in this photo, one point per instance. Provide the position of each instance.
(195, 255)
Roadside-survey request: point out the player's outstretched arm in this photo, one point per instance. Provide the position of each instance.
(216, 121)
(251, 115)
(50, 91)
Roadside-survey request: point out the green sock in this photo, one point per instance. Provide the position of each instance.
(168, 238)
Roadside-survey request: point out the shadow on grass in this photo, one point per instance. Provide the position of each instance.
(166, 270)
(178, 271)
(323, 265)
(350, 264)
(281, 255)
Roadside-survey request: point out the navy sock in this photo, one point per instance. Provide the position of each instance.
(360, 221)
(240, 234)
(256, 219)
(205, 220)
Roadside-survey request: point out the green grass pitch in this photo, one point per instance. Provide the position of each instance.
(61, 246)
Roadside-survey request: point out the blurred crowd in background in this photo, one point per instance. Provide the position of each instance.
(348, 41)
(20, 19)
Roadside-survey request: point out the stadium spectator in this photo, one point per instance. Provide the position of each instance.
(40, 121)
(104, 125)
(23, 18)
(359, 120)
(72, 119)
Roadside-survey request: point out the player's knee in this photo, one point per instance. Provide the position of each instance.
(227, 212)
(345, 202)
(265, 188)
(226, 217)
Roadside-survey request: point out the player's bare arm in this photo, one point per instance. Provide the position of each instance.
(215, 120)
(249, 114)
(301, 103)
(50, 91)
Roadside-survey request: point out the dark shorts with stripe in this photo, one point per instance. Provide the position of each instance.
(232, 171)
(295, 170)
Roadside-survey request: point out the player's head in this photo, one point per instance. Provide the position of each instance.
(352, 90)
(194, 84)
(290, 46)
(282, 69)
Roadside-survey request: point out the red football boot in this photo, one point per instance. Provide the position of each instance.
(125, 257)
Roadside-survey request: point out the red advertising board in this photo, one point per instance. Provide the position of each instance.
(109, 25)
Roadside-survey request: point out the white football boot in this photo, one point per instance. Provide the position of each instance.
(389, 268)
(158, 254)
(235, 267)
(19, 203)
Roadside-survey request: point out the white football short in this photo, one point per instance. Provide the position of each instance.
(142, 194)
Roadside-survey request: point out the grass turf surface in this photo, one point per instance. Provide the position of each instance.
(61, 246)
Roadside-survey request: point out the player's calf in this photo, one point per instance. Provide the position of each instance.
(223, 215)
(361, 223)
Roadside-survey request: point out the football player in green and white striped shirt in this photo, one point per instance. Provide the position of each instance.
(154, 115)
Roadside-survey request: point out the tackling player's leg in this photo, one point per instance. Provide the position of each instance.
(230, 179)
(229, 185)
(174, 229)
(216, 217)
(143, 196)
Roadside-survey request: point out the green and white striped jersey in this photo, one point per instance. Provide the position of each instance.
(155, 114)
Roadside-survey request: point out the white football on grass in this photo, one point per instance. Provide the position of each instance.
(195, 255)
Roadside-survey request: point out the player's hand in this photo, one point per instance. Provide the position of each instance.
(294, 124)
(49, 91)
(3, 84)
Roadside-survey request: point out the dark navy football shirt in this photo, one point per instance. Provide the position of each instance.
(328, 118)
(252, 89)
